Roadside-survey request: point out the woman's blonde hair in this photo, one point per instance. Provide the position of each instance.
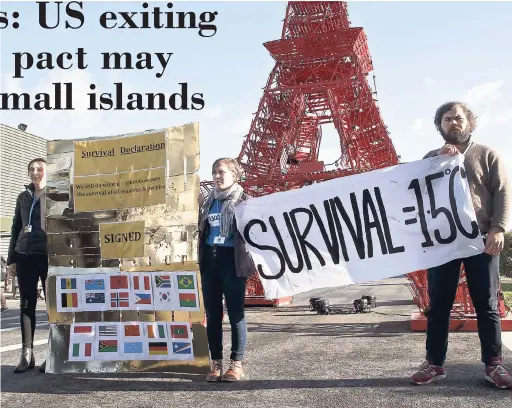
(231, 164)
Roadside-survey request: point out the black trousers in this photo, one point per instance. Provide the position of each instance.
(482, 274)
(29, 269)
(218, 276)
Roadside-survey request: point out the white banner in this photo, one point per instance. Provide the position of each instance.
(361, 228)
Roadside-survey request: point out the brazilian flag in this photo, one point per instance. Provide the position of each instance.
(186, 282)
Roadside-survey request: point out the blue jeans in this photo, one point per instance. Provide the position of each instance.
(482, 274)
(218, 275)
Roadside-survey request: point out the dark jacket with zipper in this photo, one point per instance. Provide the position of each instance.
(27, 243)
(243, 261)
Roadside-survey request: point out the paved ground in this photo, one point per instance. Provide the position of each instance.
(295, 358)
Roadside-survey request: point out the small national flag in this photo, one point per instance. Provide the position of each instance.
(186, 282)
(107, 346)
(94, 298)
(143, 299)
(132, 330)
(68, 283)
(82, 329)
(69, 300)
(87, 349)
(119, 299)
(95, 284)
(106, 331)
(133, 347)
(157, 332)
(181, 348)
(179, 331)
(145, 284)
(165, 297)
(163, 281)
(119, 282)
(188, 300)
(158, 349)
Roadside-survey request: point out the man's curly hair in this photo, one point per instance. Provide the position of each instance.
(449, 106)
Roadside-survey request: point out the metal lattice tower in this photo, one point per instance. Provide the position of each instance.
(319, 77)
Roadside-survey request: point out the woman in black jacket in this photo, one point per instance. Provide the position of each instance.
(28, 256)
(224, 265)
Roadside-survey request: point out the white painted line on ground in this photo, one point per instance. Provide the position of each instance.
(4, 319)
(506, 339)
(18, 346)
(18, 327)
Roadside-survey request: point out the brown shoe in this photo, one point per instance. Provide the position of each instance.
(428, 373)
(215, 371)
(498, 376)
(235, 372)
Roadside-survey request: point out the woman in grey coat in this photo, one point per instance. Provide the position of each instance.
(225, 264)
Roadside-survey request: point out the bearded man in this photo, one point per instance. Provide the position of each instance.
(491, 196)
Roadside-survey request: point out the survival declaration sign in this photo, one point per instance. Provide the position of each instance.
(361, 228)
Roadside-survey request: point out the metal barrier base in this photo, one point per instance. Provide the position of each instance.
(261, 301)
(457, 323)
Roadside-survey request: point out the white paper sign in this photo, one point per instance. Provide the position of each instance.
(95, 292)
(361, 228)
(187, 295)
(81, 341)
(141, 291)
(119, 294)
(157, 341)
(107, 341)
(180, 341)
(69, 295)
(134, 342)
(164, 290)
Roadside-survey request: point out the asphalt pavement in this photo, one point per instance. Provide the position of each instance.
(294, 358)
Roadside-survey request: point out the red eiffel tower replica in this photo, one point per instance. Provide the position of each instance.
(320, 77)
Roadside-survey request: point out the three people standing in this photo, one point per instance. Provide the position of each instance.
(225, 264)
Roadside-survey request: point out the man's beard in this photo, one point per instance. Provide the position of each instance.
(456, 137)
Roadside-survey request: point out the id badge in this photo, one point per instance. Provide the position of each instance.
(28, 228)
(219, 240)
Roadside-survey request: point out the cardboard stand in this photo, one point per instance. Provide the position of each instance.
(124, 292)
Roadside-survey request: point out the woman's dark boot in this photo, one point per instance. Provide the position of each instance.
(27, 361)
(42, 367)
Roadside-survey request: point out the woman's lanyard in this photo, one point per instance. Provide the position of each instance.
(28, 228)
(219, 239)
(220, 216)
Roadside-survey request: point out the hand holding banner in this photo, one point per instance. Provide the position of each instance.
(361, 228)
